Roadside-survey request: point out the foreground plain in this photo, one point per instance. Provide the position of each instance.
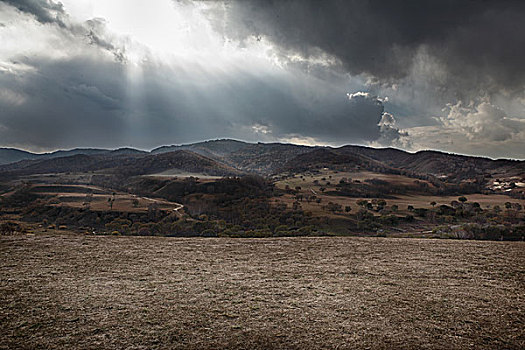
(75, 291)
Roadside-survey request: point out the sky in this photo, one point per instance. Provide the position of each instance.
(426, 74)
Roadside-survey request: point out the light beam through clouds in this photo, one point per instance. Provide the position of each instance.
(96, 73)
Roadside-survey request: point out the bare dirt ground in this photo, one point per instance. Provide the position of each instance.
(72, 291)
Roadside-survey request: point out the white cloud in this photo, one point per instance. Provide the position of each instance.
(482, 122)
(261, 129)
(477, 129)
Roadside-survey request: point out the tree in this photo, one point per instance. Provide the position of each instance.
(433, 204)
(334, 207)
(362, 203)
(380, 204)
(348, 208)
(462, 199)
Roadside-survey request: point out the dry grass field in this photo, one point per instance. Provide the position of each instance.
(308, 188)
(77, 196)
(73, 291)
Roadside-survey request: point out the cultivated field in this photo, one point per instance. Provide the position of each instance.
(75, 291)
(99, 199)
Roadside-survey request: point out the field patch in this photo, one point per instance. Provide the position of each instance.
(65, 291)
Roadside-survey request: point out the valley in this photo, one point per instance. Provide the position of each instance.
(227, 188)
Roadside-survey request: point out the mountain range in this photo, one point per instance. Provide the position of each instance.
(231, 157)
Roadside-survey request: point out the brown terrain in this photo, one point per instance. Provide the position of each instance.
(60, 290)
(84, 264)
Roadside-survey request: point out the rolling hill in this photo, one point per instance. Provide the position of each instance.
(122, 164)
(234, 157)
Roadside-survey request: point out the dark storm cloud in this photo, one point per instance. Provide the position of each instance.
(68, 91)
(45, 11)
(87, 101)
(62, 103)
(383, 38)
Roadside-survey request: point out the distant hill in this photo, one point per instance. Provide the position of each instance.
(214, 148)
(12, 155)
(327, 157)
(261, 158)
(126, 151)
(123, 164)
(440, 164)
(72, 152)
(268, 158)
(237, 157)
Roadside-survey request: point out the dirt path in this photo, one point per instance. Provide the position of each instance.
(100, 292)
(179, 206)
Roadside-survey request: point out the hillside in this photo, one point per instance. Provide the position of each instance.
(327, 157)
(122, 164)
(453, 166)
(235, 157)
(11, 155)
(266, 158)
(261, 158)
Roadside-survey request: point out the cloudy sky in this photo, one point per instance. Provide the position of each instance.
(411, 74)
